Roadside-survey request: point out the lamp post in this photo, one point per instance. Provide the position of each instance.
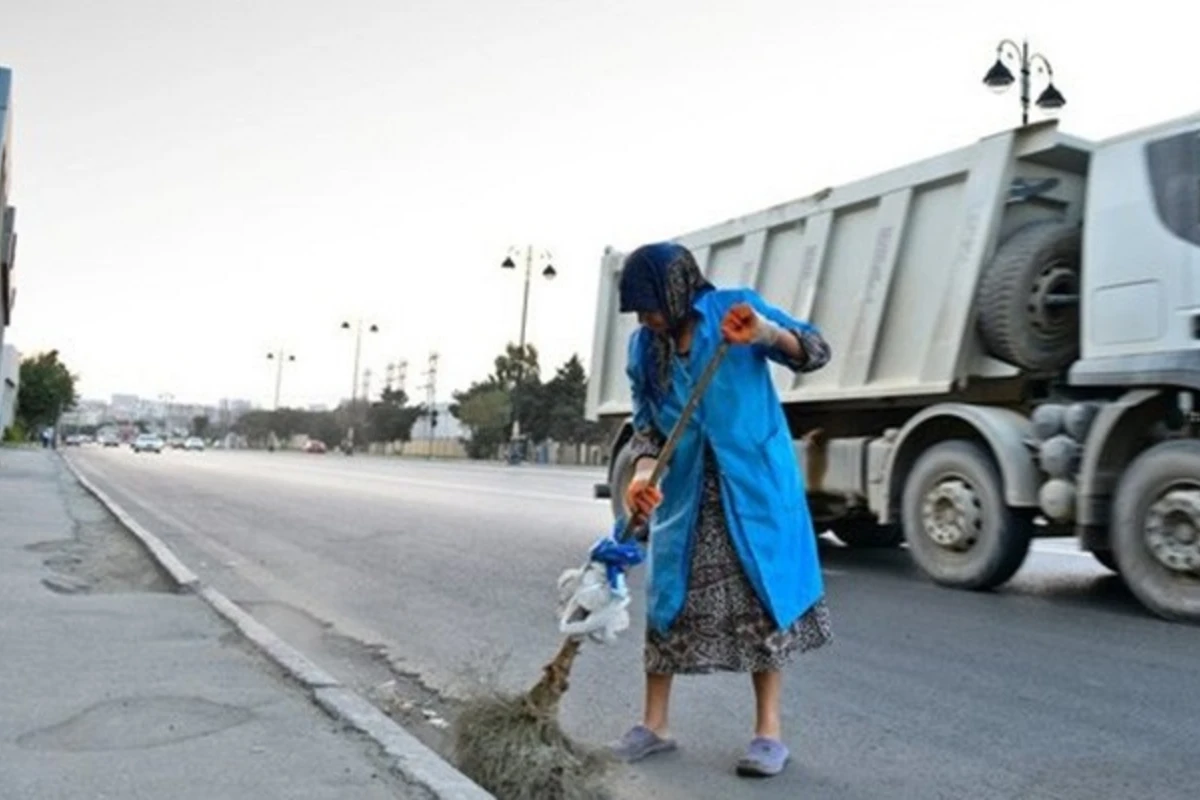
(279, 358)
(548, 273)
(999, 77)
(168, 401)
(358, 334)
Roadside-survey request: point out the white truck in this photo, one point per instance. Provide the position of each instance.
(1015, 329)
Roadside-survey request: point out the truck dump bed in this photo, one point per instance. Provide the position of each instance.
(886, 267)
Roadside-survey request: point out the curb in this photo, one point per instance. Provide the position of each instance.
(409, 757)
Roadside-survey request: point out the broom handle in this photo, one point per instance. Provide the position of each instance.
(680, 426)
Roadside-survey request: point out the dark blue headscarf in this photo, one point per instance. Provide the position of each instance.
(663, 278)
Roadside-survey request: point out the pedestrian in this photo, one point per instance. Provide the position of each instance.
(733, 577)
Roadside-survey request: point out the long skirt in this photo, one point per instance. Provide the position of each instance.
(723, 625)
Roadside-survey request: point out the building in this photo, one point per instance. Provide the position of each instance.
(8, 214)
(86, 414)
(448, 427)
(10, 383)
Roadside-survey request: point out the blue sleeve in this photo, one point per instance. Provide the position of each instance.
(816, 351)
(647, 439)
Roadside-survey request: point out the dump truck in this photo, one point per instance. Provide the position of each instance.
(1015, 328)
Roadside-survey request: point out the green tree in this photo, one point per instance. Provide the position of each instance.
(519, 373)
(47, 389)
(200, 425)
(563, 401)
(485, 410)
(391, 419)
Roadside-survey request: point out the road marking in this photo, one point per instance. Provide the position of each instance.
(315, 474)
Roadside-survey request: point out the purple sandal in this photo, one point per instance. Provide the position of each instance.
(640, 742)
(764, 758)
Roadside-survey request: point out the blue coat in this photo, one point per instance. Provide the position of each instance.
(761, 484)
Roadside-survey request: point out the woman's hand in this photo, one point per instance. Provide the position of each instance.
(743, 325)
(642, 497)
(740, 325)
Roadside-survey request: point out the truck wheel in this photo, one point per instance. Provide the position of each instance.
(958, 528)
(864, 534)
(1156, 529)
(1028, 298)
(622, 474)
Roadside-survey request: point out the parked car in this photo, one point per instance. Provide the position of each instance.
(314, 446)
(193, 443)
(148, 443)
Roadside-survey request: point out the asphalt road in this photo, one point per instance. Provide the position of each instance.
(1059, 686)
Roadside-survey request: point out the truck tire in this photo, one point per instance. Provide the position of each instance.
(957, 526)
(622, 474)
(866, 533)
(1156, 529)
(1023, 317)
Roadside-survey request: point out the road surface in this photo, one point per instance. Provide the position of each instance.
(411, 579)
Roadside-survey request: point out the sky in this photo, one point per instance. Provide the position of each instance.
(201, 183)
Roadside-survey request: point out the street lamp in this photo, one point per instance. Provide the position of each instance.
(999, 77)
(549, 274)
(358, 334)
(279, 358)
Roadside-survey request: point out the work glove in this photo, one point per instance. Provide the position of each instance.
(642, 497)
(743, 325)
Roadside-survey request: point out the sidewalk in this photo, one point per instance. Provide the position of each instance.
(112, 685)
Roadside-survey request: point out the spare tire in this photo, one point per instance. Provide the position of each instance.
(1028, 298)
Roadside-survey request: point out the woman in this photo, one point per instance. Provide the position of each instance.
(734, 582)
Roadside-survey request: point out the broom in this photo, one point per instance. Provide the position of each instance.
(513, 746)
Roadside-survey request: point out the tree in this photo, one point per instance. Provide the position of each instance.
(485, 410)
(564, 400)
(47, 389)
(200, 425)
(519, 373)
(391, 419)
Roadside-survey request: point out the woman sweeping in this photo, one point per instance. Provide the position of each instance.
(734, 582)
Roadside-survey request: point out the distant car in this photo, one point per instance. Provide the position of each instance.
(193, 443)
(314, 446)
(109, 440)
(148, 443)
(74, 440)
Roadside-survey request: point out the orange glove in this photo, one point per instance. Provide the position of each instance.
(642, 498)
(744, 325)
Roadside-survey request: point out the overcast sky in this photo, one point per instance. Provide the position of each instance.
(199, 183)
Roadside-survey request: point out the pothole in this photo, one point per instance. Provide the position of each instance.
(136, 723)
(102, 557)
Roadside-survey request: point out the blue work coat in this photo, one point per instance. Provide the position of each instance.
(762, 489)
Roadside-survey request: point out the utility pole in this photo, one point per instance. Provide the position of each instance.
(397, 375)
(358, 334)
(279, 358)
(431, 399)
